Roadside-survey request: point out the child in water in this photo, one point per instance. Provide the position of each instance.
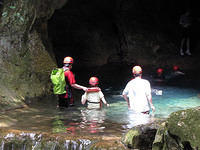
(94, 95)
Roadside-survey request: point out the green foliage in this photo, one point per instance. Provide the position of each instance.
(12, 7)
(4, 14)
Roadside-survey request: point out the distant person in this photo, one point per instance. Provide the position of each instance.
(66, 100)
(185, 22)
(159, 75)
(175, 74)
(93, 96)
(137, 93)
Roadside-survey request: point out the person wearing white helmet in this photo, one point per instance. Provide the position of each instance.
(137, 93)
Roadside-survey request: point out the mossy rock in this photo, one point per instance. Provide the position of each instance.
(181, 131)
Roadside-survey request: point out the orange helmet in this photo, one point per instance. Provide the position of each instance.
(94, 81)
(137, 70)
(68, 60)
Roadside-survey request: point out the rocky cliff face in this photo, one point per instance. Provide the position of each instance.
(26, 58)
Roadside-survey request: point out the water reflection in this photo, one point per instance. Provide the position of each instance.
(92, 120)
(135, 119)
(113, 120)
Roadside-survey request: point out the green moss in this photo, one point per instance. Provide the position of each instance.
(186, 125)
(131, 138)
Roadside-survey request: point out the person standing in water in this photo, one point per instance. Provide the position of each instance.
(137, 93)
(66, 99)
(93, 96)
(185, 22)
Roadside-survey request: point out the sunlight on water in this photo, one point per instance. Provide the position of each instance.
(174, 99)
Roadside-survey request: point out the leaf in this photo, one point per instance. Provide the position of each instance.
(12, 7)
(4, 14)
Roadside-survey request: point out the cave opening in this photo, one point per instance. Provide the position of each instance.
(98, 33)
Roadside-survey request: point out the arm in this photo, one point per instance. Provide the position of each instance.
(104, 101)
(127, 100)
(70, 76)
(83, 99)
(76, 86)
(125, 95)
(102, 98)
(149, 97)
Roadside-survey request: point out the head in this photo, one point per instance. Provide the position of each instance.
(175, 68)
(137, 71)
(94, 81)
(159, 71)
(68, 61)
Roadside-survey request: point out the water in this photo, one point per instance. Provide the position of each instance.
(112, 121)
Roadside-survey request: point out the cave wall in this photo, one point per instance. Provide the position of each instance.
(26, 57)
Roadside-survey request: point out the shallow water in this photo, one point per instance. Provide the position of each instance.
(112, 121)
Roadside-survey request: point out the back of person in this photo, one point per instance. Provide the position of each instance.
(137, 93)
(137, 90)
(94, 96)
(94, 99)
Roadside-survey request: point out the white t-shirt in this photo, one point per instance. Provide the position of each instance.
(137, 91)
(93, 99)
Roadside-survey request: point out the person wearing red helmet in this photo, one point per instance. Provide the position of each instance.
(137, 93)
(93, 96)
(67, 98)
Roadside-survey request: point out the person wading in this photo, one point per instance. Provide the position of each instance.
(94, 96)
(137, 93)
(66, 99)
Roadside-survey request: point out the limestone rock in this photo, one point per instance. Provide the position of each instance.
(26, 57)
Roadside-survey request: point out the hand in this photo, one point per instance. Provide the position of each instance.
(85, 89)
(153, 108)
(107, 105)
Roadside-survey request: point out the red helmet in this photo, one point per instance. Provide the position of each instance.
(175, 68)
(68, 60)
(94, 81)
(137, 70)
(159, 70)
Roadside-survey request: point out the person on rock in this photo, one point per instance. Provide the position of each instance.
(66, 99)
(137, 93)
(93, 96)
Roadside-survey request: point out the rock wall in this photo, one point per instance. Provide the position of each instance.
(26, 57)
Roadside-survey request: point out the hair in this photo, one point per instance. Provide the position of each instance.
(137, 75)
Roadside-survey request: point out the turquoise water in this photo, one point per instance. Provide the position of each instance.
(117, 119)
(114, 120)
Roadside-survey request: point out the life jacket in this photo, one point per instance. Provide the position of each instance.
(95, 89)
